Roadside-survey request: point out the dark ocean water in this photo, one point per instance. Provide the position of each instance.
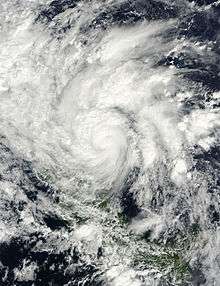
(109, 143)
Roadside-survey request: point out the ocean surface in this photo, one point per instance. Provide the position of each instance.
(109, 143)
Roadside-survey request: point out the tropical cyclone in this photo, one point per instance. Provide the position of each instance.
(109, 143)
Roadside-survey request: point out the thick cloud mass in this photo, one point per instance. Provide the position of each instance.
(109, 142)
